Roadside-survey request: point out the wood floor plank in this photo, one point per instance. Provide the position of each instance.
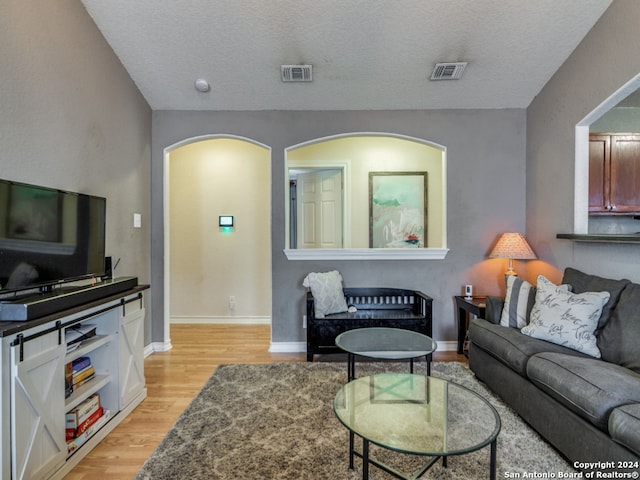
(173, 378)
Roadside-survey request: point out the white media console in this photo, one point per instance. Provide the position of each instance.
(32, 391)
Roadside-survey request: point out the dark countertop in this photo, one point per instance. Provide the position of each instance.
(8, 328)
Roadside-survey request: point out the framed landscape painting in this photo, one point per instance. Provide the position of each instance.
(397, 209)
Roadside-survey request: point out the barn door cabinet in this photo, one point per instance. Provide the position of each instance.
(32, 391)
(614, 174)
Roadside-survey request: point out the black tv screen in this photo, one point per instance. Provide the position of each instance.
(48, 236)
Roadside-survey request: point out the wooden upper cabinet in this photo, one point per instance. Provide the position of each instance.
(614, 174)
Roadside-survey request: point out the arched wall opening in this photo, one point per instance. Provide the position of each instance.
(217, 274)
(360, 158)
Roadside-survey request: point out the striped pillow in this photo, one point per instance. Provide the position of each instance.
(521, 296)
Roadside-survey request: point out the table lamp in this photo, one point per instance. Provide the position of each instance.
(514, 247)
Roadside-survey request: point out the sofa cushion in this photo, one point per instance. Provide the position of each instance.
(589, 387)
(619, 339)
(624, 426)
(493, 309)
(517, 303)
(509, 345)
(566, 318)
(583, 282)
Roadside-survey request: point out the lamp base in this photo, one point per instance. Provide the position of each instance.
(510, 270)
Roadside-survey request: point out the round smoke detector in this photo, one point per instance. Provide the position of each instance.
(202, 85)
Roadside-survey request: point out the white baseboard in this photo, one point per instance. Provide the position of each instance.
(157, 347)
(297, 347)
(288, 347)
(447, 346)
(222, 320)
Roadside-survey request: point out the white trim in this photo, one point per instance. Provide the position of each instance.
(367, 254)
(167, 217)
(154, 347)
(300, 347)
(366, 134)
(447, 346)
(581, 181)
(581, 170)
(288, 347)
(221, 320)
(328, 256)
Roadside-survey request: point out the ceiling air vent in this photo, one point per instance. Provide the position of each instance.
(448, 71)
(297, 73)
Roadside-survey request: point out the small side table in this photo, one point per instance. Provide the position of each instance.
(465, 307)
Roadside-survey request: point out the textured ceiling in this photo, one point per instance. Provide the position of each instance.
(366, 54)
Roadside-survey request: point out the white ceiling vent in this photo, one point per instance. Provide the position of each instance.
(297, 73)
(448, 71)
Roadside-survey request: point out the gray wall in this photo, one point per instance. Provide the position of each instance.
(486, 196)
(72, 118)
(605, 60)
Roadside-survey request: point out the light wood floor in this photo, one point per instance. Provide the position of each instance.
(173, 379)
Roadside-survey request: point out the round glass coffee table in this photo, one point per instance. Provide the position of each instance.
(417, 415)
(385, 344)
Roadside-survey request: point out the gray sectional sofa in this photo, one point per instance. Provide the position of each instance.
(587, 408)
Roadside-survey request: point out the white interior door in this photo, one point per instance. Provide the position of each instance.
(319, 209)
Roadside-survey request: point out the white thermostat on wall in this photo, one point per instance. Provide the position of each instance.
(225, 221)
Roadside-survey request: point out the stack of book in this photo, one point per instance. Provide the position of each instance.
(81, 371)
(75, 443)
(83, 416)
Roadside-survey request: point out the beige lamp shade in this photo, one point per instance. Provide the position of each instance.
(514, 247)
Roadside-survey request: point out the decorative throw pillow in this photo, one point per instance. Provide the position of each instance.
(619, 340)
(586, 282)
(327, 292)
(518, 303)
(565, 318)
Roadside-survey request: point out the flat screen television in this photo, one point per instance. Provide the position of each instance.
(48, 237)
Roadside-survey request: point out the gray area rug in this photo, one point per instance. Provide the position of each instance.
(276, 421)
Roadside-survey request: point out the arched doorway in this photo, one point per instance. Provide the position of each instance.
(217, 274)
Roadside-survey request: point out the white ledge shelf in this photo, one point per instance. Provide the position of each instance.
(367, 254)
(602, 237)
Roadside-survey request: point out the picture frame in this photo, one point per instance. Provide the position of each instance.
(398, 207)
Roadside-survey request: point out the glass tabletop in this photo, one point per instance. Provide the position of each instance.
(386, 343)
(417, 414)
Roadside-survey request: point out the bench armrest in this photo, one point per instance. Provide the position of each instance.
(311, 310)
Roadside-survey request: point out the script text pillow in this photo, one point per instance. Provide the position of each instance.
(327, 292)
(518, 303)
(566, 318)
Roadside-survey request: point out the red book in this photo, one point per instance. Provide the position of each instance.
(73, 433)
(75, 417)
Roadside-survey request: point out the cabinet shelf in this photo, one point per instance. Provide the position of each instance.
(35, 353)
(89, 434)
(88, 346)
(85, 390)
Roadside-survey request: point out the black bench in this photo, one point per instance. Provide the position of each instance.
(377, 307)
